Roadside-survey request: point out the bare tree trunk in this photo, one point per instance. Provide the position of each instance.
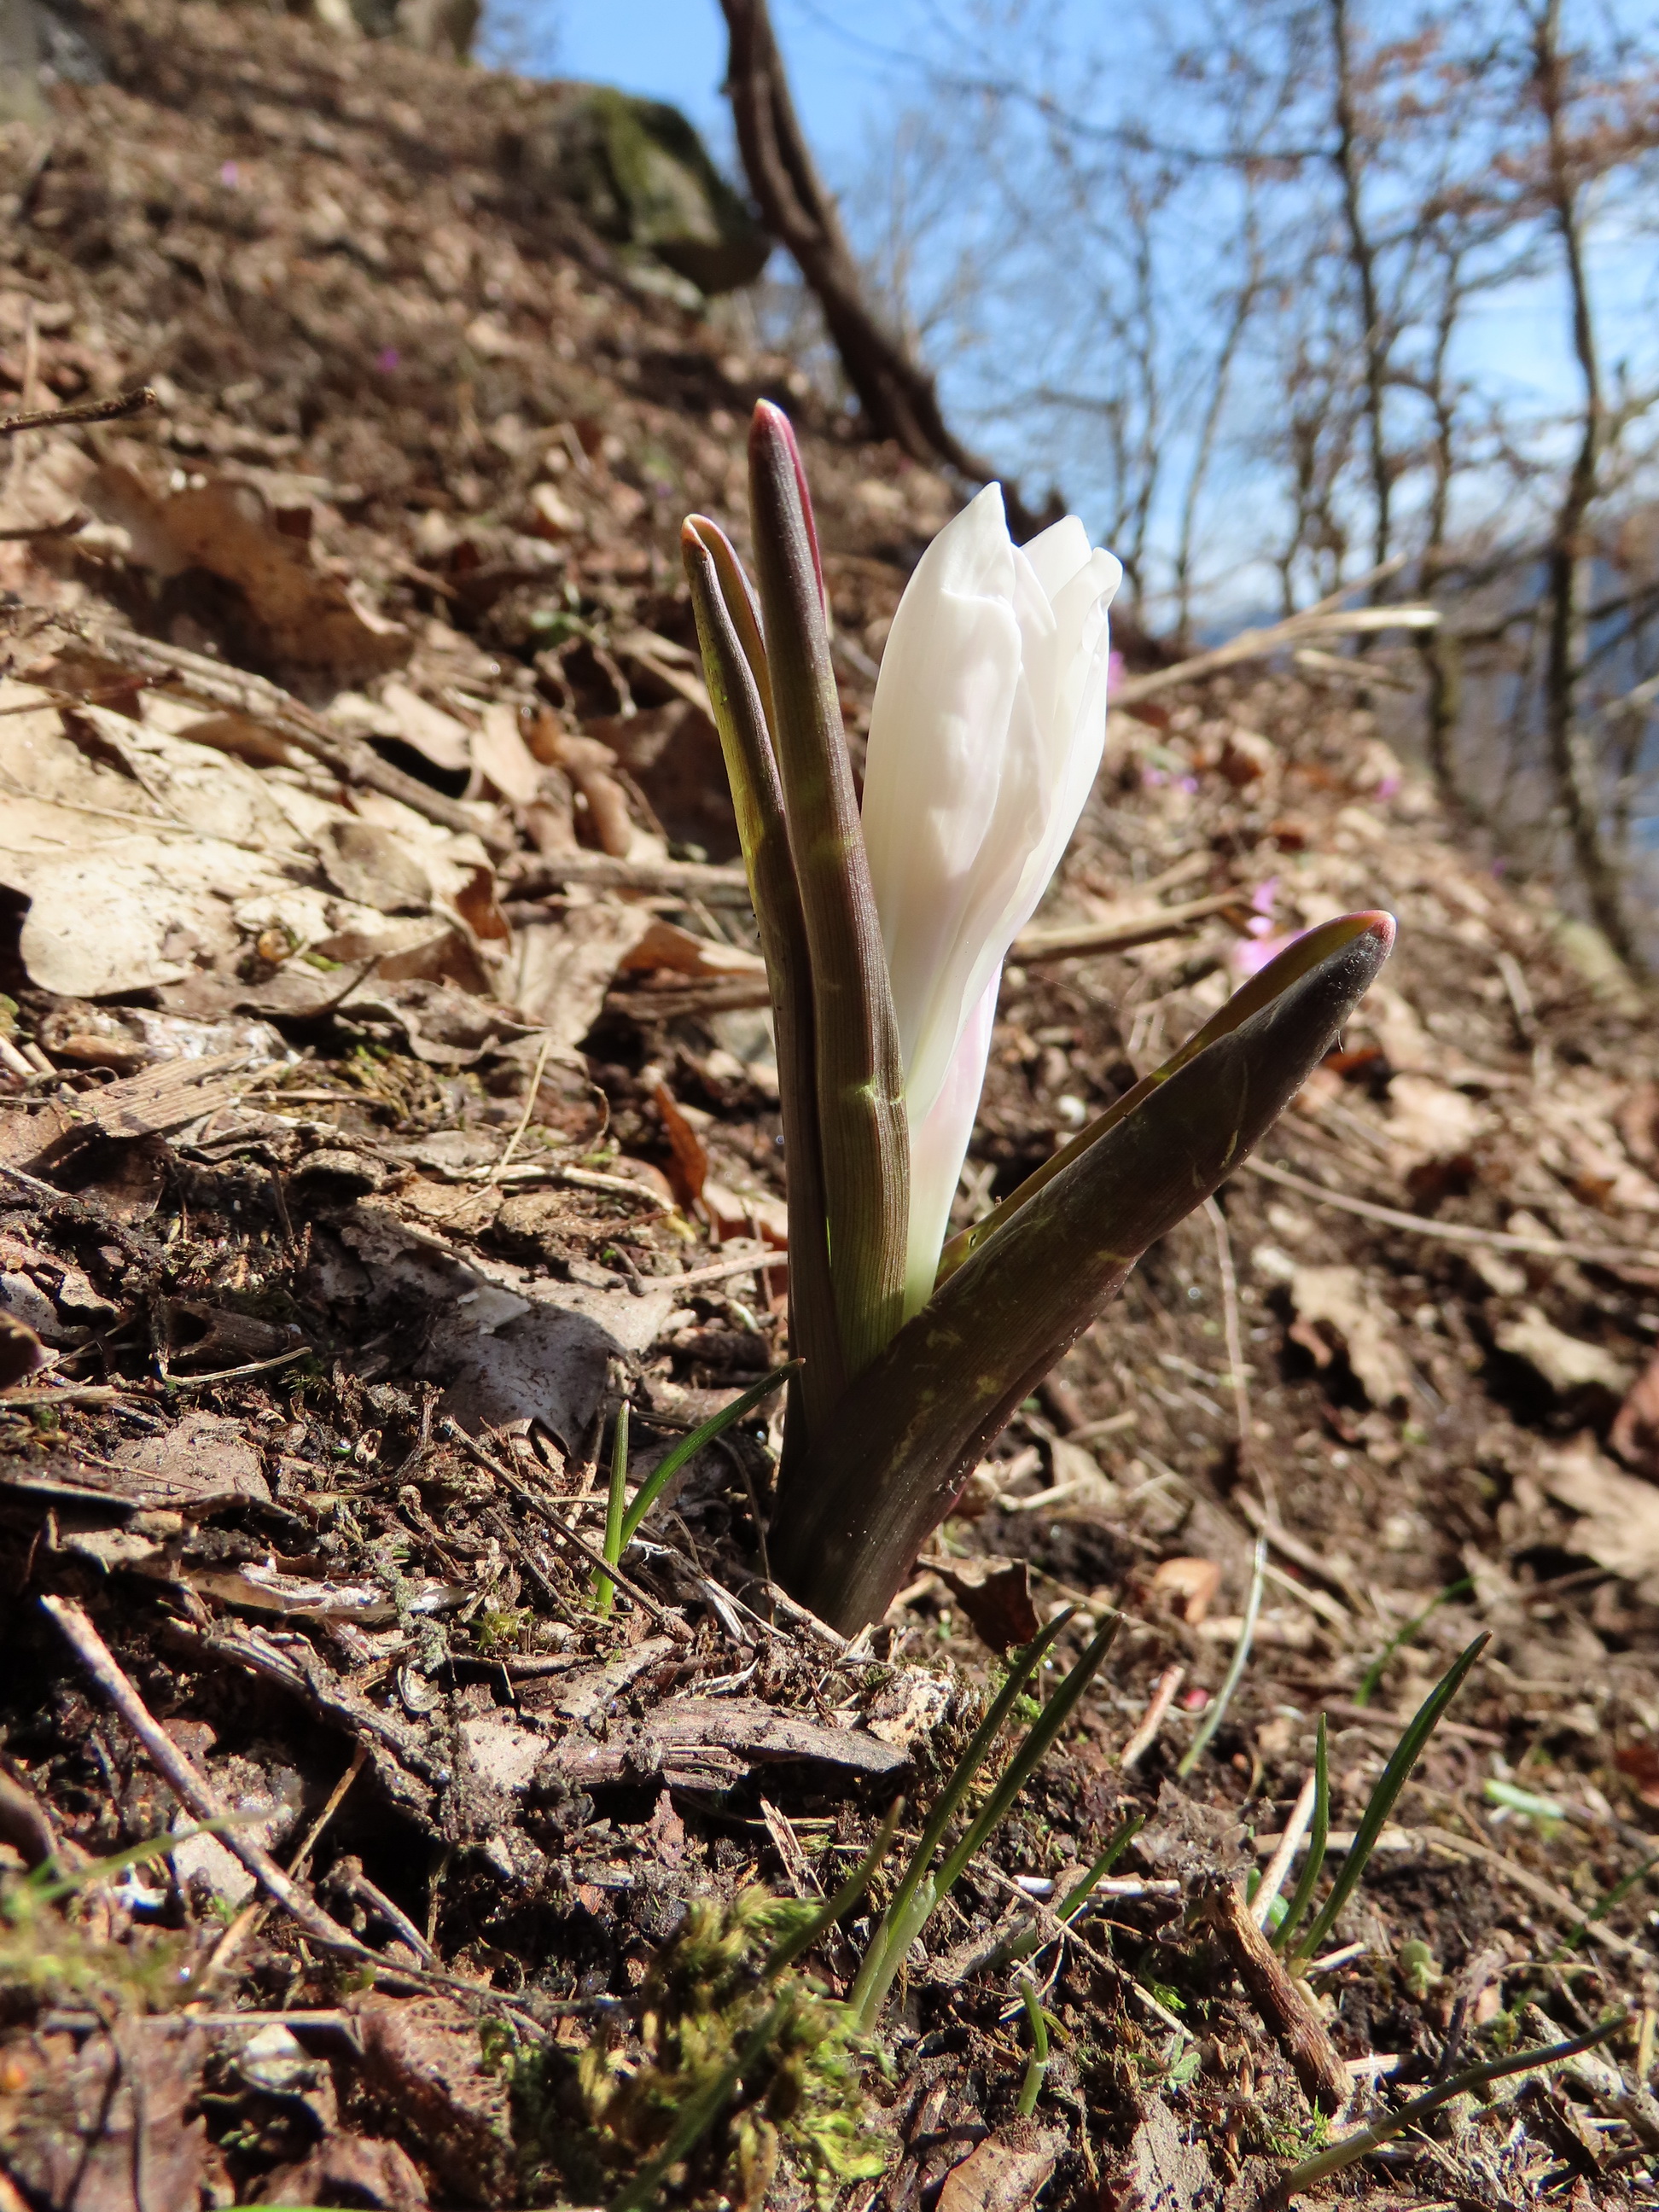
(1571, 764)
(1244, 302)
(1440, 651)
(1363, 254)
(895, 391)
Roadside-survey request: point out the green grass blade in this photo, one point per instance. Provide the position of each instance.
(1318, 1835)
(1031, 2088)
(1025, 1664)
(1366, 2140)
(690, 1445)
(1025, 1761)
(1394, 1776)
(1373, 1674)
(862, 1130)
(794, 1946)
(1235, 1674)
(615, 1509)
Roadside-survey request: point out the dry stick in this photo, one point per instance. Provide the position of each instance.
(1163, 1696)
(1457, 1232)
(675, 1626)
(249, 1921)
(353, 760)
(1258, 644)
(1235, 1339)
(1069, 940)
(1064, 1931)
(1274, 1873)
(109, 1394)
(82, 410)
(1282, 2004)
(198, 1799)
(758, 1264)
(65, 527)
(538, 874)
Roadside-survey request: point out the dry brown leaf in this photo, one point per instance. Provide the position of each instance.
(561, 969)
(687, 1159)
(21, 1352)
(438, 737)
(297, 618)
(1620, 1526)
(502, 757)
(1189, 1585)
(74, 2125)
(1567, 1364)
(1338, 1300)
(348, 2169)
(996, 1596)
(666, 945)
(1005, 2173)
(1635, 1432)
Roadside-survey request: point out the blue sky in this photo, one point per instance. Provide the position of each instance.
(846, 62)
(674, 49)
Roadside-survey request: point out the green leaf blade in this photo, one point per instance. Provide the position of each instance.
(862, 1132)
(904, 1440)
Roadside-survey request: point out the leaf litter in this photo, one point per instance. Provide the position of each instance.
(386, 1089)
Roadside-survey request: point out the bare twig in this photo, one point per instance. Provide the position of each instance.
(1146, 1736)
(1278, 637)
(535, 875)
(720, 1270)
(191, 1789)
(1274, 1873)
(555, 1521)
(1284, 2004)
(1068, 941)
(170, 667)
(82, 410)
(65, 526)
(251, 1917)
(895, 390)
(1457, 1232)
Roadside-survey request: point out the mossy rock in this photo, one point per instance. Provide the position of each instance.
(643, 179)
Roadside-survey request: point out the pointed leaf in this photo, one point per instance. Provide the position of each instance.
(735, 666)
(862, 1134)
(1299, 959)
(902, 1441)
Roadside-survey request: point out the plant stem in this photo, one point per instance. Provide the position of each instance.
(1235, 1674)
(1037, 2065)
(604, 1589)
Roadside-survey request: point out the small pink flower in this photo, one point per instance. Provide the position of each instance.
(1265, 895)
(1390, 788)
(228, 176)
(387, 359)
(1249, 956)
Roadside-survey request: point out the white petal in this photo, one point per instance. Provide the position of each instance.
(985, 738)
(938, 1145)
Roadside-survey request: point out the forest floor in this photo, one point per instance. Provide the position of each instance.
(387, 1087)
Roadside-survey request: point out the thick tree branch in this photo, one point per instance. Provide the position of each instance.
(1571, 762)
(895, 390)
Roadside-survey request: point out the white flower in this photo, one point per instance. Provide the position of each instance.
(986, 735)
